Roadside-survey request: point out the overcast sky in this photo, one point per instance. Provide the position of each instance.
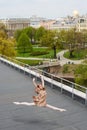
(41, 8)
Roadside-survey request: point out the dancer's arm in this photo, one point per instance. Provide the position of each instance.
(42, 80)
(34, 82)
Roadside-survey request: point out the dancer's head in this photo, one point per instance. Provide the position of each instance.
(39, 87)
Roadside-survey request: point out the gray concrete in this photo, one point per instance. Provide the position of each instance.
(15, 86)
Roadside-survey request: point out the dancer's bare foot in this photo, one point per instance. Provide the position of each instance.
(17, 103)
(62, 110)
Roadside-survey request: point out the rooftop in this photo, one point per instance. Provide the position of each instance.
(15, 86)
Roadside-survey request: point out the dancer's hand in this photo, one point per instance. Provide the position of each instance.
(33, 79)
(40, 75)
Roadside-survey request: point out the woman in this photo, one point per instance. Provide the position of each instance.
(40, 98)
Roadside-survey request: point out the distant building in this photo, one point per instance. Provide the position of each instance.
(47, 23)
(13, 24)
(36, 21)
(82, 24)
(64, 23)
(59, 24)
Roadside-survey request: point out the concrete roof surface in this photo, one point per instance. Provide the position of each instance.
(15, 86)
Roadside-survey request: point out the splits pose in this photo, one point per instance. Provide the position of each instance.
(39, 99)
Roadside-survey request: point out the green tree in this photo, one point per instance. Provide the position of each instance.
(84, 35)
(31, 32)
(24, 44)
(61, 39)
(48, 39)
(81, 75)
(17, 34)
(75, 41)
(39, 33)
(3, 31)
(71, 40)
(3, 35)
(7, 47)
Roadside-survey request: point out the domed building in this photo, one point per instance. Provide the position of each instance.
(75, 14)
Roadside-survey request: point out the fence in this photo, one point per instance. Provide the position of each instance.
(74, 90)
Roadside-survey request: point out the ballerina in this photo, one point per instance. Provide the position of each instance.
(39, 99)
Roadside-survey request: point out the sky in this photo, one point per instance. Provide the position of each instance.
(42, 8)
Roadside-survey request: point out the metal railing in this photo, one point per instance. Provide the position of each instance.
(74, 90)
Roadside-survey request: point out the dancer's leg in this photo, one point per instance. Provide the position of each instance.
(55, 108)
(33, 104)
(24, 103)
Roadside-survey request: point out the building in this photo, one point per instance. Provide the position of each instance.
(82, 24)
(14, 24)
(64, 23)
(36, 21)
(59, 24)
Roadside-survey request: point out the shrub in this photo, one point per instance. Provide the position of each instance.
(65, 68)
(37, 53)
(31, 62)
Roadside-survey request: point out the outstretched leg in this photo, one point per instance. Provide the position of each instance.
(24, 103)
(33, 104)
(55, 108)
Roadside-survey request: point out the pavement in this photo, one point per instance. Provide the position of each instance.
(17, 87)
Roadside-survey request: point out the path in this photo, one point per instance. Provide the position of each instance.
(64, 60)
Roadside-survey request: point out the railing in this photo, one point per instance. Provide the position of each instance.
(74, 90)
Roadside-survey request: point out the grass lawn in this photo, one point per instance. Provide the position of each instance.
(46, 53)
(31, 62)
(77, 55)
(43, 53)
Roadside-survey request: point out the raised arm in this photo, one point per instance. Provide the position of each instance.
(42, 80)
(34, 82)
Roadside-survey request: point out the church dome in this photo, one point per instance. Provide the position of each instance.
(75, 13)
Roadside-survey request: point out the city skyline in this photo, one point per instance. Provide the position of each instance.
(41, 8)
